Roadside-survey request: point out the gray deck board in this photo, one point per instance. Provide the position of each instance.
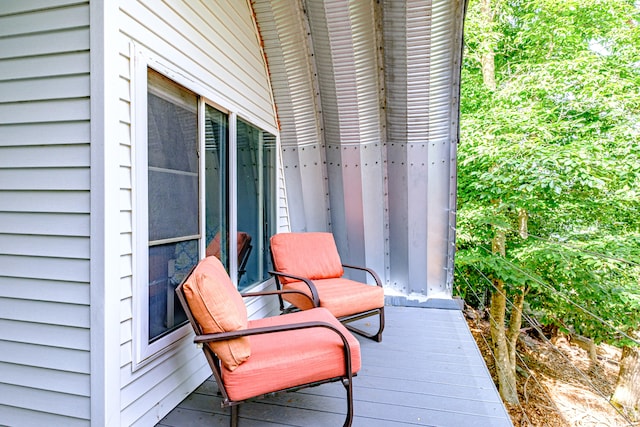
(426, 371)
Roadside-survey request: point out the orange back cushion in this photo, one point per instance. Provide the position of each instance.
(218, 307)
(313, 255)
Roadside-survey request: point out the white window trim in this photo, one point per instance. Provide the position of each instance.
(144, 352)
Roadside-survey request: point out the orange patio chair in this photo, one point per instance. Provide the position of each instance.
(309, 262)
(250, 358)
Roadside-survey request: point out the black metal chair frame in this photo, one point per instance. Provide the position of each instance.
(345, 320)
(201, 339)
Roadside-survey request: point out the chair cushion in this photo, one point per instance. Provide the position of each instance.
(287, 359)
(218, 307)
(312, 255)
(342, 297)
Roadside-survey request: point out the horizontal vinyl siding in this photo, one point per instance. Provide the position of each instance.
(44, 213)
(214, 46)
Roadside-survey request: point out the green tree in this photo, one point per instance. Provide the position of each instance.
(549, 166)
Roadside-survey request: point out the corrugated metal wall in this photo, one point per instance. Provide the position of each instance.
(367, 98)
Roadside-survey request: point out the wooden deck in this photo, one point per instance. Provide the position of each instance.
(426, 371)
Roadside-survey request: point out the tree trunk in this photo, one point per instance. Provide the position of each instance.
(502, 340)
(627, 392)
(487, 58)
(513, 332)
(505, 369)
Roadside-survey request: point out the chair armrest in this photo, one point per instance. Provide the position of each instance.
(368, 270)
(314, 292)
(278, 292)
(222, 336)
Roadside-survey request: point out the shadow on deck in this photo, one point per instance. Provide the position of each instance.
(426, 371)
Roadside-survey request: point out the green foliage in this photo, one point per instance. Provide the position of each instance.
(560, 138)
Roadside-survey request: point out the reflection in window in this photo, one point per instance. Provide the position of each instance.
(256, 201)
(173, 200)
(216, 130)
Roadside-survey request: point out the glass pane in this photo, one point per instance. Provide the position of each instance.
(216, 188)
(173, 133)
(168, 265)
(173, 165)
(173, 199)
(256, 159)
(173, 205)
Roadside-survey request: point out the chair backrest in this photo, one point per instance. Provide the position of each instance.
(214, 305)
(244, 243)
(313, 255)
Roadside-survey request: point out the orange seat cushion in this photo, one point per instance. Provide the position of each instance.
(218, 307)
(312, 255)
(287, 359)
(342, 297)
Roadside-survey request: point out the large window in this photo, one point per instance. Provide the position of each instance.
(206, 185)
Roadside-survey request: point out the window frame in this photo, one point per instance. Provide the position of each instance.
(145, 352)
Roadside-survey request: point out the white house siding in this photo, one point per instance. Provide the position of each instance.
(213, 45)
(44, 213)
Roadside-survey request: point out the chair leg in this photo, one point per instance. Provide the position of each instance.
(234, 415)
(349, 389)
(376, 336)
